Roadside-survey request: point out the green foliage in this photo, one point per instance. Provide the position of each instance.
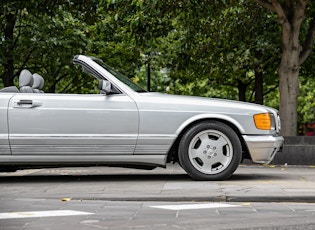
(206, 48)
(44, 38)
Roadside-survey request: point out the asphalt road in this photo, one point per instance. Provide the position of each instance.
(89, 215)
(255, 197)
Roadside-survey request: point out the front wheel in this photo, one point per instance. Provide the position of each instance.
(210, 150)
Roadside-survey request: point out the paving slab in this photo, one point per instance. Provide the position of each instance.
(250, 183)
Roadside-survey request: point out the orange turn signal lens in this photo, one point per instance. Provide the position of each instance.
(263, 121)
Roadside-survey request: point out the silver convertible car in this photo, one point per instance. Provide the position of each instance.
(126, 126)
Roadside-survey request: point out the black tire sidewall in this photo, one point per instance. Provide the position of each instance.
(188, 137)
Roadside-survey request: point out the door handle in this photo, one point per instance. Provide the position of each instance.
(27, 104)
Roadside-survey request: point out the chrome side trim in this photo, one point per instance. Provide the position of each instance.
(152, 149)
(72, 149)
(73, 144)
(154, 144)
(5, 150)
(154, 160)
(71, 139)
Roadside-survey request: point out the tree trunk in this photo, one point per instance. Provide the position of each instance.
(289, 88)
(9, 73)
(9, 49)
(241, 91)
(259, 89)
(290, 17)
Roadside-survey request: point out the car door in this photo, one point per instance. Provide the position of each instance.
(4, 136)
(72, 124)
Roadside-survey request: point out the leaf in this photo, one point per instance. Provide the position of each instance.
(116, 17)
(246, 204)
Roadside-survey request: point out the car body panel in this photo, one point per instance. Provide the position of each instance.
(4, 130)
(73, 124)
(185, 109)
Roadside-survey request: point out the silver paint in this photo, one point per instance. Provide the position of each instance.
(125, 128)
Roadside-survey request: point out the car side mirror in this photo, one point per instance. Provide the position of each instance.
(105, 86)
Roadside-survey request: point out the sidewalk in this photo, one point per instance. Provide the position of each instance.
(250, 183)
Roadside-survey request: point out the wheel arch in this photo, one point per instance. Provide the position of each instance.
(173, 152)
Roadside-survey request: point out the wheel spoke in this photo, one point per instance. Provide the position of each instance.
(207, 167)
(221, 142)
(223, 159)
(204, 137)
(194, 153)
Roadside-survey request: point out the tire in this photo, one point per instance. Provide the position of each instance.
(210, 150)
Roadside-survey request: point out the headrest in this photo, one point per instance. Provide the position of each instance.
(25, 78)
(38, 81)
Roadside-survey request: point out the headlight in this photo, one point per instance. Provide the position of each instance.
(265, 121)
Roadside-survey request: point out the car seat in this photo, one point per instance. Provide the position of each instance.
(38, 83)
(26, 81)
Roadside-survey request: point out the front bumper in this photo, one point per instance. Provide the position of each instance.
(262, 149)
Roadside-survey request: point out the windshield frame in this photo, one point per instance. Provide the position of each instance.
(120, 76)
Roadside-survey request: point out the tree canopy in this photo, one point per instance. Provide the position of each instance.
(227, 49)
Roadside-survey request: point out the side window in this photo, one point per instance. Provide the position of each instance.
(75, 81)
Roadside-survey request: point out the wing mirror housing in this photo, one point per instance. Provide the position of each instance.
(105, 86)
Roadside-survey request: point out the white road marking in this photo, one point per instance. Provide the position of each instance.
(13, 215)
(194, 206)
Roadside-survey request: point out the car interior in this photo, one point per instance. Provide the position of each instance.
(28, 83)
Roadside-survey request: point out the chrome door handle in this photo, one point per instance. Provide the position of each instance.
(24, 102)
(27, 104)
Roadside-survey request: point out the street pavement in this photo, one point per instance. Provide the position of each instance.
(250, 183)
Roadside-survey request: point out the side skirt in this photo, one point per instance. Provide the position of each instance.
(59, 160)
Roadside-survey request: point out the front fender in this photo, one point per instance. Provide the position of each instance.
(200, 117)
